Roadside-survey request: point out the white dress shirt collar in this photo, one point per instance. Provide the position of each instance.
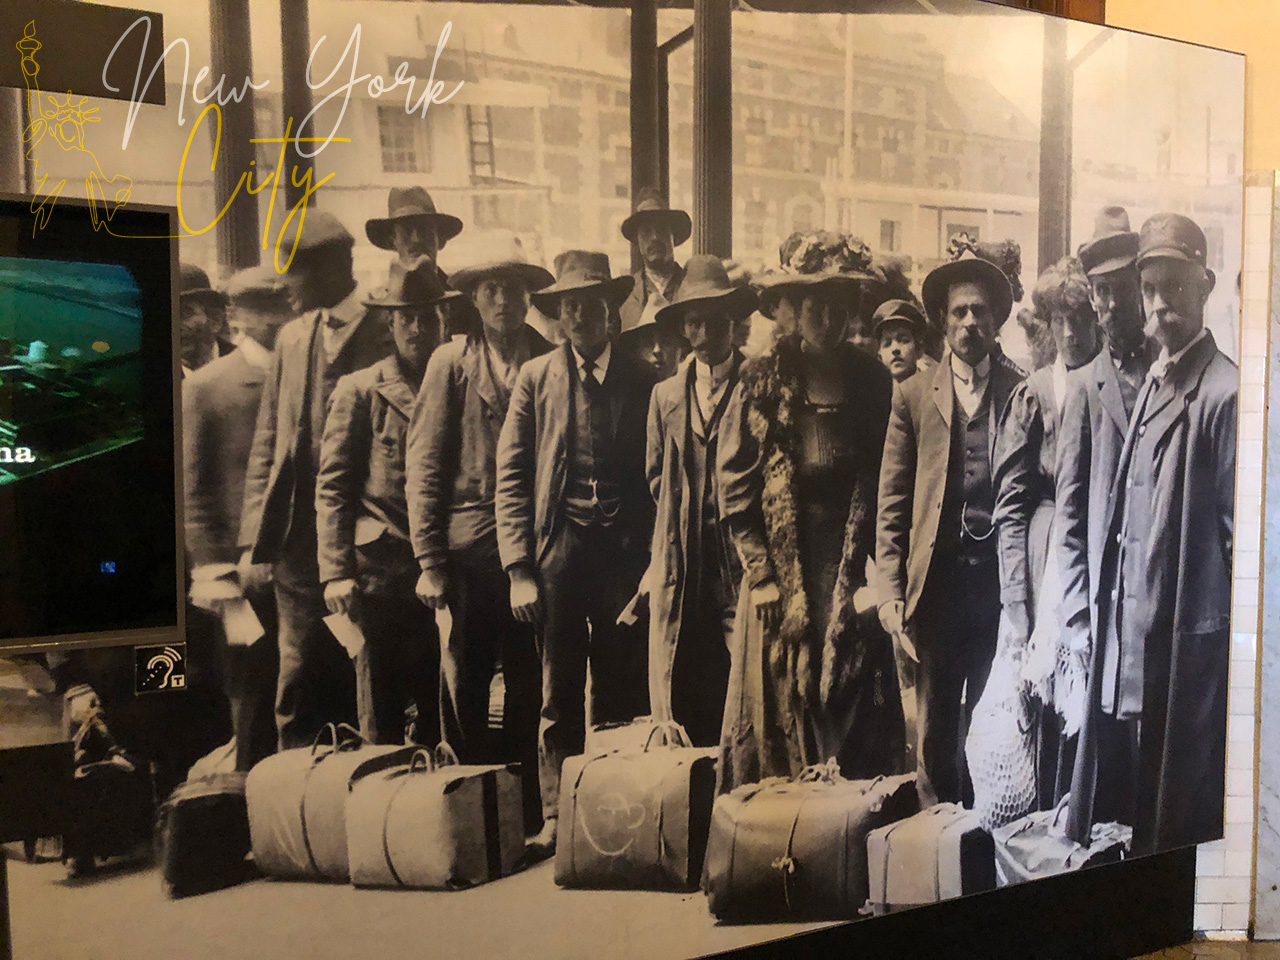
(973, 376)
(348, 311)
(713, 376)
(1164, 362)
(259, 357)
(600, 366)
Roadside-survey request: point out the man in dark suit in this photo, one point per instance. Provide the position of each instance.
(219, 410)
(656, 230)
(333, 336)
(366, 561)
(452, 475)
(575, 514)
(1095, 418)
(935, 542)
(1153, 746)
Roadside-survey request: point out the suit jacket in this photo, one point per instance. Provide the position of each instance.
(535, 449)
(219, 411)
(271, 482)
(362, 521)
(913, 472)
(633, 306)
(453, 450)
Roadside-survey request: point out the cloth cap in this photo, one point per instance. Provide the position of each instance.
(1113, 245)
(1173, 236)
(260, 284)
(901, 310)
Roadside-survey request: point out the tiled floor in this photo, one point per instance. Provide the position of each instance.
(1219, 950)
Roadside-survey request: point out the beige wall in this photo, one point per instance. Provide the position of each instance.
(1250, 27)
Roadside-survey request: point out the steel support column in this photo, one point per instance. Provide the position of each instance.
(1055, 145)
(12, 149)
(644, 101)
(295, 48)
(712, 128)
(232, 51)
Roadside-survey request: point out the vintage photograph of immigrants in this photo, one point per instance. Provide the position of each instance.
(701, 478)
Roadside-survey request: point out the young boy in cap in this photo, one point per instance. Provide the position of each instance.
(1152, 749)
(899, 329)
(575, 515)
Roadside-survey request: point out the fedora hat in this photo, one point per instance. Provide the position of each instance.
(405, 202)
(193, 283)
(901, 310)
(652, 206)
(969, 268)
(419, 287)
(1113, 245)
(707, 281)
(497, 254)
(579, 271)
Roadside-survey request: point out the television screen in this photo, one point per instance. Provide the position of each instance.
(87, 426)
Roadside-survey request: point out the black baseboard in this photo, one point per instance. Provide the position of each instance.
(1111, 912)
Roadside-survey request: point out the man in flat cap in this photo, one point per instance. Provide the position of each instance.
(1153, 747)
(692, 583)
(366, 560)
(575, 515)
(202, 332)
(452, 475)
(656, 230)
(219, 410)
(413, 228)
(935, 543)
(333, 335)
(1097, 407)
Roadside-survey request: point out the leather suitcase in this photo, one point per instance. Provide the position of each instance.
(112, 813)
(1037, 846)
(636, 818)
(297, 803)
(797, 849)
(435, 824)
(940, 853)
(202, 836)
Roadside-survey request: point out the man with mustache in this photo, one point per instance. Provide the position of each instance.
(1152, 748)
(412, 228)
(935, 543)
(656, 230)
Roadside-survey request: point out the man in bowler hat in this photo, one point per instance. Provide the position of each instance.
(333, 335)
(935, 543)
(575, 515)
(1153, 747)
(202, 330)
(413, 228)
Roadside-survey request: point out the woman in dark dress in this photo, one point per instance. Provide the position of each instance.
(812, 675)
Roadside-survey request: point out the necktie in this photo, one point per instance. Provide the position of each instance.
(588, 375)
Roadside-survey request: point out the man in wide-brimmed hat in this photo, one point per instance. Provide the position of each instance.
(692, 584)
(935, 543)
(366, 560)
(1152, 750)
(656, 230)
(413, 228)
(575, 514)
(203, 335)
(451, 479)
(335, 334)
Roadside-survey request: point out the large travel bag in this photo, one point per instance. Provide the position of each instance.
(940, 853)
(435, 824)
(1037, 846)
(297, 802)
(797, 849)
(636, 818)
(202, 835)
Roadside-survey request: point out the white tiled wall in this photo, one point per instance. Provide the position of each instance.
(1225, 869)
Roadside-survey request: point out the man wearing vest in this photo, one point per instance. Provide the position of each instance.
(575, 515)
(935, 543)
(333, 336)
(693, 577)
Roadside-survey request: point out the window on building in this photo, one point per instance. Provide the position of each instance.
(754, 75)
(755, 123)
(888, 166)
(405, 141)
(802, 218)
(970, 228)
(890, 236)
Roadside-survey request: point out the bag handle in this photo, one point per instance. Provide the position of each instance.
(342, 736)
(673, 735)
(433, 760)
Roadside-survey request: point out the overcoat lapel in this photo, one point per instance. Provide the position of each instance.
(478, 373)
(394, 389)
(1109, 390)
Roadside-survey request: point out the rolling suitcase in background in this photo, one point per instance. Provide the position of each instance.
(940, 853)
(797, 849)
(297, 803)
(636, 818)
(202, 835)
(1037, 846)
(435, 824)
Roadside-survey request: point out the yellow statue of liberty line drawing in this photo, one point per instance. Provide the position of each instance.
(62, 120)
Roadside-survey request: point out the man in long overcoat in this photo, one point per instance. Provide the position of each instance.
(935, 543)
(1153, 747)
(333, 336)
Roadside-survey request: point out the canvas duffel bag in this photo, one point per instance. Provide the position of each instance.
(297, 802)
(636, 818)
(1037, 846)
(202, 835)
(435, 824)
(797, 849)
(940, 853)
(626, 735)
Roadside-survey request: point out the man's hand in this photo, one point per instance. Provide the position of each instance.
(342, 596)
(632, 612)
(864, 600)
(891, 617)
(767, 602)
(431, 587)
(526, 597)
(253, 576)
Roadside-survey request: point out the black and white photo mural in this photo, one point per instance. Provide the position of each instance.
(678, 482)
